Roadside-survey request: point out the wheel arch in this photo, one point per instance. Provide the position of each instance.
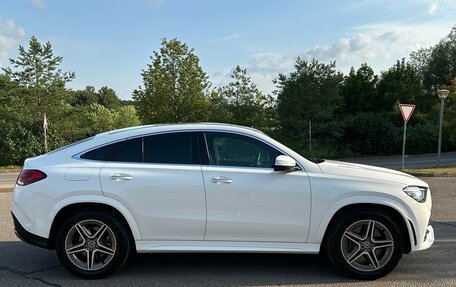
(71, 205)
(404, 223)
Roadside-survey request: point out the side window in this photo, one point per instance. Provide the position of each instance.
(172, 148)
(103, 153)
(227, 149)
(131, 151)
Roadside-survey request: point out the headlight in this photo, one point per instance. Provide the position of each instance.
(418, 193)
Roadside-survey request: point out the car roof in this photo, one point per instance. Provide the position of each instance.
(131, 131)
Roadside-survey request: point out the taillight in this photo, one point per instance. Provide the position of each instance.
(28, 176)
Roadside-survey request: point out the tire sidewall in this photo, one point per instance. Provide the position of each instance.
(121, 236)
(335, 237)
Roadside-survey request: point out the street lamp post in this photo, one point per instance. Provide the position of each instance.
(442, 95)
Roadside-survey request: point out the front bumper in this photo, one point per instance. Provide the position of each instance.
(428, 238)
(28, 237)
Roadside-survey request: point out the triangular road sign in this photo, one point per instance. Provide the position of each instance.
(406, 111)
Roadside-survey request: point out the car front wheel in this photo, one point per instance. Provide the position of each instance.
(92, 244)
(365, 244)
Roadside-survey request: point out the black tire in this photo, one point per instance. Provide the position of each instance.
(341, 249)
(116, 239)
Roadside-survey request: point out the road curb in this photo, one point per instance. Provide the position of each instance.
(6, 189)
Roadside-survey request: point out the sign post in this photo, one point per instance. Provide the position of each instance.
(406, 111)
(45, 127)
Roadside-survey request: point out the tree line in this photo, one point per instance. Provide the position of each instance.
(315, 109)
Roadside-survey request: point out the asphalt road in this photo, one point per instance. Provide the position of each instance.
(7, 179)
(411, 161)
(25, 265)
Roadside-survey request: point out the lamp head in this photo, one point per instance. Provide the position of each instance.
(443, 94)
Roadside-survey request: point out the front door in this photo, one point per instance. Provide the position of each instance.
(246, 199)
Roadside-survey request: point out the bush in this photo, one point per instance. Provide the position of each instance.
(421, 138)
(372, 134)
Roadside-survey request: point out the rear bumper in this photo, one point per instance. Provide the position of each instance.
(28, 237)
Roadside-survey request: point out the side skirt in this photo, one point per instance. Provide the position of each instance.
(224, 246)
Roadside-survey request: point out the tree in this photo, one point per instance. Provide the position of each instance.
(437, 64)
(126, 117)
(358, 90)
(98, 119)
(38, 68)
(175, 86)
(240, 102)
(311, 93)
(400, 84)
(107, 98)
(449, 131)
(85, 97)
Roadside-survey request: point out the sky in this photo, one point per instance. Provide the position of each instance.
(109, 42)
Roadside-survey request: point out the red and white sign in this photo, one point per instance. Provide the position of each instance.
(406, 111)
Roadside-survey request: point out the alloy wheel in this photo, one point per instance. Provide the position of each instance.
(90, 245)
(367, 245)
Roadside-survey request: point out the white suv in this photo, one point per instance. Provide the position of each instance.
(214, 188)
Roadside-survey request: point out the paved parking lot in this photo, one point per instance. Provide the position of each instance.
(25, 265)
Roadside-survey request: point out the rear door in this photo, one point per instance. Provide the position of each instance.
(158, 177)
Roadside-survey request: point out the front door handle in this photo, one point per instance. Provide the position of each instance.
(120, 176)
(221, 179)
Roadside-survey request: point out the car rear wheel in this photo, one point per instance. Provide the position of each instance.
(92, 244)
(365, 244)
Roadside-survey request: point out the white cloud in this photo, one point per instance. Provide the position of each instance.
(271, 61)
(10, 35)
(228, 38)
(38, 4)
(379, 45)
(433, 7)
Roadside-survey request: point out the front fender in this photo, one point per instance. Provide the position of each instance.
(389, 201)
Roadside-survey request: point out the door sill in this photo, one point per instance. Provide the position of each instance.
(143, 246)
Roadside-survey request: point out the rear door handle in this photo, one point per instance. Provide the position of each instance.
(221, 179)
(120, 176)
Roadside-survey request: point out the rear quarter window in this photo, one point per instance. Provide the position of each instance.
(104, 153)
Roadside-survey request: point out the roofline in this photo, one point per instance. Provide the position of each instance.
(134, 128)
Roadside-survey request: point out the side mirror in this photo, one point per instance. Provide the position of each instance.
(285, 163)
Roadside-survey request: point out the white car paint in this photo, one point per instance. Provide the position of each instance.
(178, 208)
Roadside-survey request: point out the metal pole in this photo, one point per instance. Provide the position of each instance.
(403, 145)
(440, 132)
(45, 141)
(310, 134)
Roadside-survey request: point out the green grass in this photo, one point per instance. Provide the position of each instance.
(10, 167)
(434, 171)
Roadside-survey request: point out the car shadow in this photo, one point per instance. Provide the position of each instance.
(189, 269)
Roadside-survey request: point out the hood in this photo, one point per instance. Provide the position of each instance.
(369, 172)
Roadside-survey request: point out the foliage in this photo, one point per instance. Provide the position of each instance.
(175, 87)
(107, 98)
(36, 86)
(311, 93)
(38, 67)
(437, 64)
(399, 84)
(240, 102)
(358, 90)
(372, 134)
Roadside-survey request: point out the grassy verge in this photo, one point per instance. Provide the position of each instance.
(10, 167)
(434, 171)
